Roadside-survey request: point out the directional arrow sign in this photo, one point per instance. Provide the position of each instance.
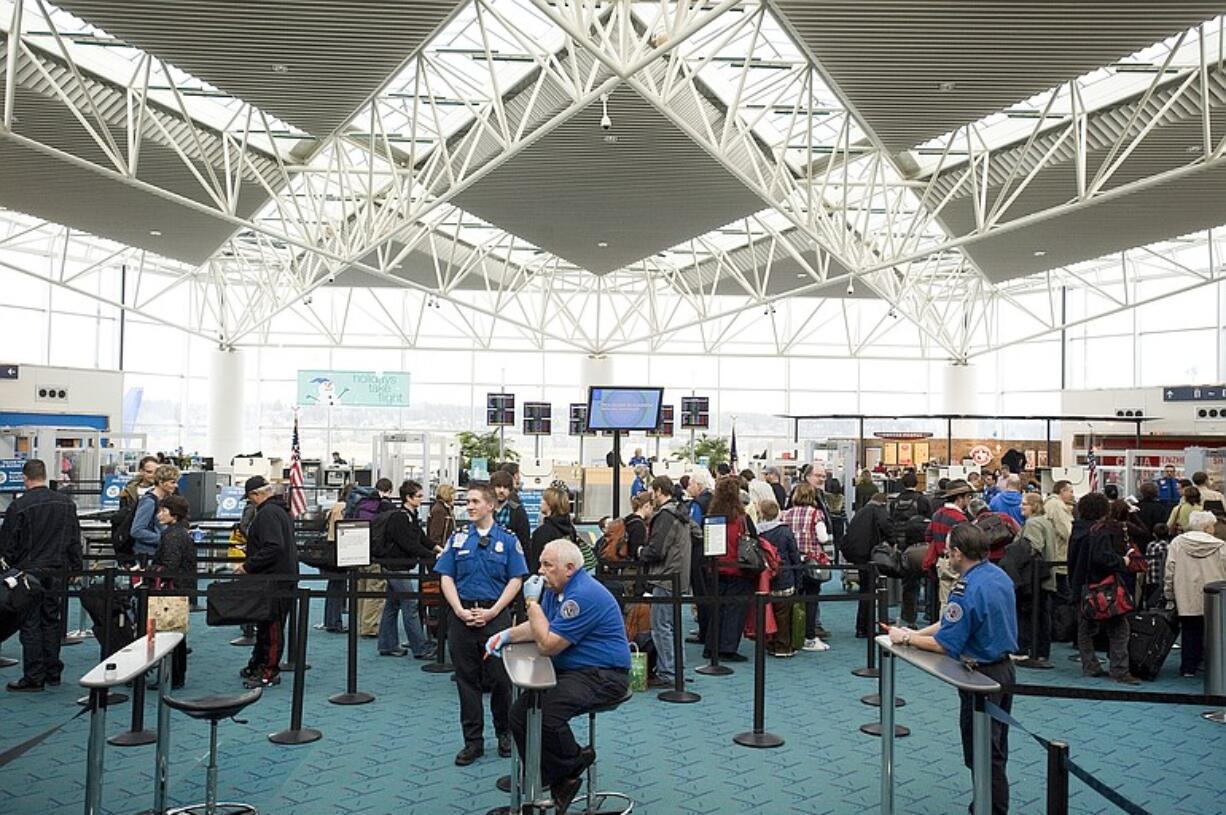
(8, 371)
(1195, 393)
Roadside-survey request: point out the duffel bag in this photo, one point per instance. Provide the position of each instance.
(235, 602)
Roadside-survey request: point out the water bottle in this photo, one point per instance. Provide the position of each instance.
(108, 672)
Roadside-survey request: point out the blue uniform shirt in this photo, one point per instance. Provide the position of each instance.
(482, 572)
(587, 616)
(980, 621)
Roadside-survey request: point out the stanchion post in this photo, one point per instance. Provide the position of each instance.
(297, 734)
(678, 694)
(352, 696)
(137, 735)
(1057, 778)
(1035, 598)
(885, 684)
(869, 671)
(713, 668)
(65, 639)
(440, 665)
(758, 737)
(981, 757)
(108, 647)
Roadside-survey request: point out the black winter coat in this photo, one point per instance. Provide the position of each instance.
(41, 532)
(176, 554)
(636, 535)
(270, 540)
(869, 527)
(551, 528)
(1097, 553)
(407, 538)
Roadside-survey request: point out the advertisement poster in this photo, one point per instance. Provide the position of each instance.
(353, 389)
(112, 486)
(230, 503)
(353, 543)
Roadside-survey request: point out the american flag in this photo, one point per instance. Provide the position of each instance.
(297, 495)
(1092, 468)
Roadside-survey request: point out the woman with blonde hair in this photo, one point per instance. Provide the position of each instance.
(440, 525)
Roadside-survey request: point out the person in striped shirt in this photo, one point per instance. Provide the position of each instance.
(957, 498)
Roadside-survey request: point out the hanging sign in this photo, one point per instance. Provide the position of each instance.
(353, 389)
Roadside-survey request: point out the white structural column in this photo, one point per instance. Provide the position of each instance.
(597, 370)
(958, 388)
(225, 405)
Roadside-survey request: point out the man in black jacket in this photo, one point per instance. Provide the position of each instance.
(270, 550)
(41, 535)
(510, 514)
(909, 513)
(869, 527)
(406, 542)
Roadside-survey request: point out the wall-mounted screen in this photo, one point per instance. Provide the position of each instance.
(538, 418)
(664, 429)
(500, 409)
(695, 412)
(619, 408)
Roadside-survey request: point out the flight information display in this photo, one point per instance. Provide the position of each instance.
(578, 420)
(620, 408)
(695, 412)
(500, 409)
(664, 429)
(538, 418)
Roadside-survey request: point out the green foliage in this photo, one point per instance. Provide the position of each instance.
(714, 448)
(483, 445)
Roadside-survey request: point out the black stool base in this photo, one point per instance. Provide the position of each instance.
(760, 740)
(874, 729)
(874, 700)
(223, 808)
(243, 642)
(866, 673)
(304, 736)
(713, 670)
(133, 738)
(355, 698)
(679, 697)
(437, 668)
(112, 698)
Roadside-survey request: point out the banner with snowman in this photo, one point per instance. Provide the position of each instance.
(353, 389)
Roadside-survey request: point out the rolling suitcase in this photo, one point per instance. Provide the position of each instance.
(1151, 635)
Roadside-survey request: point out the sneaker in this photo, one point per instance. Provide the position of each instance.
(248, 672)
(395, 652)
(1127, 679)
(469, 754)
(783, 654)
(504, 745)
(25, 685)
(262, 681)
(815, 644)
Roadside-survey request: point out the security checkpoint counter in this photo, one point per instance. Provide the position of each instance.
(961, 677)
(131, 661)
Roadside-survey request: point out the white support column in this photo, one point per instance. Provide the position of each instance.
(958, 396)
(225, 438)
(596, 369)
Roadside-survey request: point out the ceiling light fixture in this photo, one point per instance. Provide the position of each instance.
(280, 68)
(1039, 253)
(602, 244)
(946, 87)
(157, 233)
(605, 122)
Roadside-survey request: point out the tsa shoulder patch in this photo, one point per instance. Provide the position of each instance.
(953, 613)
(959, 588)
(569, 610)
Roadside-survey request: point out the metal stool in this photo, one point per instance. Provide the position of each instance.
(214, 709)
(596, 800)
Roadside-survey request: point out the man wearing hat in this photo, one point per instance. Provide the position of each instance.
(957, 497)
(270, 550)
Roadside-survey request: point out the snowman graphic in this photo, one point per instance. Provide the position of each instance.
(325, 392)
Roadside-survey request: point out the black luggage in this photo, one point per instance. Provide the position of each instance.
(1063, 621)
(1151, 635)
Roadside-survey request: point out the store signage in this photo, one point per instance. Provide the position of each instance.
(10, 475)
(112, 488)
(1194, 393)
(9, 371)
(230, 502)
(353, 388)
(981, 454)
(500, 409)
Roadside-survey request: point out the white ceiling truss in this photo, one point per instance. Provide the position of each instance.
(358, 236)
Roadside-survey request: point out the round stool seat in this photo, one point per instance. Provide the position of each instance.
(605, 708)
(215, 708)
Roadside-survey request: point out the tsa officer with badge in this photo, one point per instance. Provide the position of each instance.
(978, 627)
(481, 571)
(576, 621)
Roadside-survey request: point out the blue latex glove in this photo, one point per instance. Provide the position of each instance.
(494, 645)
(533, 587)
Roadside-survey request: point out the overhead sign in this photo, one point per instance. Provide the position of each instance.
(538, 419)
(1194, 393)
(112, 488)
(665, 428)
(10, 475)
(500, 409)
(578, 420)
(230, 502)
(9, 371)
(695, 412)
(353, 388)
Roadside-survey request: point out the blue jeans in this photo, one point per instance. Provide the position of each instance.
(334, 603)
(389, 633)
(662, 634)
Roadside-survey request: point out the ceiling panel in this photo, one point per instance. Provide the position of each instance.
(336, 52)
(889, 58)
(570, 191)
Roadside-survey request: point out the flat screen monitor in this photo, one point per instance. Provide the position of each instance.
(664, 429)
(620, 408)
(578, 420)
(538, 419)
(500, 409)
(695, 412)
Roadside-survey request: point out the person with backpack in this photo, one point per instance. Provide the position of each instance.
(403, 540)
(957, 495)
(1190, 502)
(910, 512)
(121, 521)
(642, 507)
(363, 504)
(556, 524)
(666, 552)
(869, 527)
(786, 577)
(1035, 543)
(1009, 501)
(1098, 554)
(146, 530)
(732, 580)
(999, 527)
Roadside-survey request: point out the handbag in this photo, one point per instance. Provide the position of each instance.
(887, 559)
(169, 613)
(749, 555)
(235, 602)
(18, 591)
(1106, 599)
(813, 568)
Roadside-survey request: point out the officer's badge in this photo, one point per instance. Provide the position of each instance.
(569, 610)
(953, 613)
(498, 547)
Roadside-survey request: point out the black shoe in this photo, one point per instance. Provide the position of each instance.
(249, 672)
(1038, 663)
(732, 657)
(429, 653)
(564, 792)
(25, 685)
(469, 754)
(1094, 672)
(657, 682)
(262, 681)
(395, 652)
(822, 633)
(693, 640)
(177, 685)
(1127, 679)
(54, 681)
(504, 745)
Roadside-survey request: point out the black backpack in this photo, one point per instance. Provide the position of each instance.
(998, 533)
(121, 530)
(380, 545)
(902, 510)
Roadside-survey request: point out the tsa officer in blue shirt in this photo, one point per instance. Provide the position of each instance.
(979, 627)
(481, 571)
(576, 621)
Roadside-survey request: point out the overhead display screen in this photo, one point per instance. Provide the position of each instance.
(538, 419)
(618, 408)
(578, 420)
(695, 412)
(664, 429)
(500, 409)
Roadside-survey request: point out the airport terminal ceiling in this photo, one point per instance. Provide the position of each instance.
(930, 181)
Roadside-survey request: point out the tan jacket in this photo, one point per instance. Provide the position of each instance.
(1061, 518)
(1041, 534)
(1180, 514)
(1193, 559)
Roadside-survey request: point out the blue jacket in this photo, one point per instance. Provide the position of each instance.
(783, 539)
(146, 531)
(1010, 503)
(1169, 490)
